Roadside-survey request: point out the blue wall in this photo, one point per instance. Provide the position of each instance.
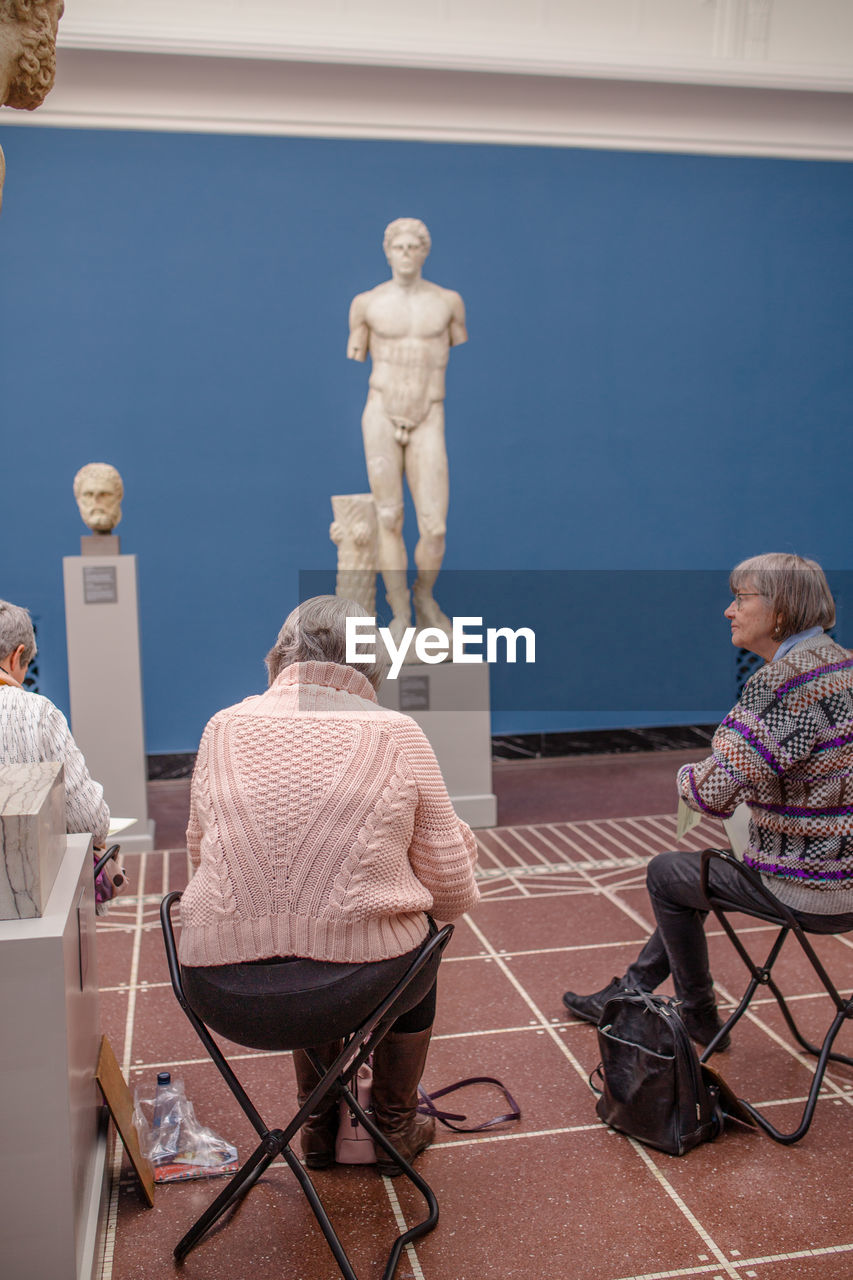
(658, 376)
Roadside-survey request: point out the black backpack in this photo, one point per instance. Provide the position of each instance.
(654, 1087)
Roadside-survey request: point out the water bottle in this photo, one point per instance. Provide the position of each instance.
(166, 1121)
(162, 1098)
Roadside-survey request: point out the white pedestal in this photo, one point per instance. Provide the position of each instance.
(450, 702)
(105, 685)
(52, 1155)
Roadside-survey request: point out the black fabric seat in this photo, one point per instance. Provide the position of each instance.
(761, 975)
(296, 1003)
(311, 1003)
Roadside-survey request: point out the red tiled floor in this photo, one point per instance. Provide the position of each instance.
(555, 1195)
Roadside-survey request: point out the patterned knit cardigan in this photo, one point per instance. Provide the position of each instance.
(786, 749)
(320, 826)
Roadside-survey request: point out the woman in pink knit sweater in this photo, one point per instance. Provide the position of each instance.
(320, 827)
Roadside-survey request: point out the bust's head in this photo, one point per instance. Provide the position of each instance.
(99, 491)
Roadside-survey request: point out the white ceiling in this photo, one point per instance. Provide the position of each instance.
(763, 77)
(784, 43)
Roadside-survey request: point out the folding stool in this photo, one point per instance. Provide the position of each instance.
(761, 975)
(360, 1042)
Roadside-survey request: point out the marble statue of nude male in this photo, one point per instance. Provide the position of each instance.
(408, 326)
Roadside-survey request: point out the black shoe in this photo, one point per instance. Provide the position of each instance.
(703, 1025)
(590, 1008)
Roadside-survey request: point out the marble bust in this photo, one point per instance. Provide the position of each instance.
(27, 55)
(407, 325)
(99, 491)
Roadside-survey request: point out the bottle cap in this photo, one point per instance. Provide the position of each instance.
(164, 1077)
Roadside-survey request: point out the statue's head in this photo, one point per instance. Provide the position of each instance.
(27, 54)
(99, 491)
(407, 226)
(406, 243)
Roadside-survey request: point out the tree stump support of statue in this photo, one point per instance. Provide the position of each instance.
(353, 532)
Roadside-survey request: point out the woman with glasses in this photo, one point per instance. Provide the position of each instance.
(786, 750)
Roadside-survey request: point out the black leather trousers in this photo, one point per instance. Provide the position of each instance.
(678, 944)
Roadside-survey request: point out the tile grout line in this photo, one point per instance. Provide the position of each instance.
(528, 1000)
(509, 871)
(402, 1225)
(620, 836)
(525, 843)
(608, 892)
(729, 1267)
(515, 1137)
(115, 1163)
(704, 1268)
(501, 867)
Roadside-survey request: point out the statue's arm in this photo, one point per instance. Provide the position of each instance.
(458, 331)
(359, 333)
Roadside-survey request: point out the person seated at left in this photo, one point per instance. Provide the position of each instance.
(32, 729)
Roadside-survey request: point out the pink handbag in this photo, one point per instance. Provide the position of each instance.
(354, 1144)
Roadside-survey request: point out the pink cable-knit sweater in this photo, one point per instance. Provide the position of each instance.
(320, 826)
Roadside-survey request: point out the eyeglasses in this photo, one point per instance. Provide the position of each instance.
(740, 596)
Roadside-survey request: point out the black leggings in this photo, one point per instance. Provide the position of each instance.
(678, 944)
(292, 1003)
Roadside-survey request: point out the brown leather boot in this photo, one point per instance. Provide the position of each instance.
(319, 1131)
(398, 1064)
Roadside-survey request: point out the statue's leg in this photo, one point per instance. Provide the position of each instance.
(385, 474)
(426, 471)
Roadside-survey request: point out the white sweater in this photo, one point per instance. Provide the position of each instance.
(32, 730)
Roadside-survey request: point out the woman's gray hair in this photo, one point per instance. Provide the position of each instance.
(16, 628)
(795, 588)
(316, 632)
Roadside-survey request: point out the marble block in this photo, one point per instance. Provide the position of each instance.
(450, 702)
(105, 685)
(32, 836)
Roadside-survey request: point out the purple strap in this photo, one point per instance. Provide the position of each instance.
(429, 1108)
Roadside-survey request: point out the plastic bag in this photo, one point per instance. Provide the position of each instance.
(173, 1139)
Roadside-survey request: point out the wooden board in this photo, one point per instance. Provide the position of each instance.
(117, 1097)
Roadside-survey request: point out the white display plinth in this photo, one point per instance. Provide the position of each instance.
(53, 1152)
(450, 701)
(105, 685)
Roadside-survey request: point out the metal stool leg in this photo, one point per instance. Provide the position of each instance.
(420, 1228)
(761, 975)
(276, 1142)
(242, 1182)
